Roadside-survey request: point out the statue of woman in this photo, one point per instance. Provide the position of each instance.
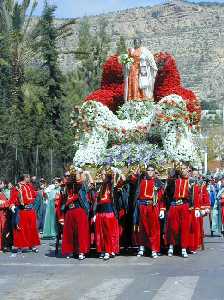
(142, 73)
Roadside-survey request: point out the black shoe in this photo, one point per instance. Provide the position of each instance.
(35, 250)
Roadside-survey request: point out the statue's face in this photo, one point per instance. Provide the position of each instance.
(137, 43)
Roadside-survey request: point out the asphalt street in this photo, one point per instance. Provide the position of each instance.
(30, 276)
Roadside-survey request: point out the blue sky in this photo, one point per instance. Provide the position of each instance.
(79, 8)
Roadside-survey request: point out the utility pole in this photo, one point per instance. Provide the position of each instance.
(206, 161)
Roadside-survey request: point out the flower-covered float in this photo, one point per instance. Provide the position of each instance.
(113, 132)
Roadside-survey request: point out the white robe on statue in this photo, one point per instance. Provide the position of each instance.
(148, 71)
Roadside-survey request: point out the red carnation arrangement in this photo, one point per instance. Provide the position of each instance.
(111, 93)
(168, 82)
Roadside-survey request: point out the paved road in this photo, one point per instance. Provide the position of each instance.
(42, 276)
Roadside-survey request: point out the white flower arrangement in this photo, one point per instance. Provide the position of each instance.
(102, 137)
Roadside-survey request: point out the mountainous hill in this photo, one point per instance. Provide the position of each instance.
(192, 32)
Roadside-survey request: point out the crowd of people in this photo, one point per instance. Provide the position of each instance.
(113, 211)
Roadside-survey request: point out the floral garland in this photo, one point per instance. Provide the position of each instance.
(132, 154)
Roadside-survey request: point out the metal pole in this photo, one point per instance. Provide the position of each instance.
(223, 116)
(37, 158)
(125, 84)
(16, 164)
(206, 161)
(51, 162)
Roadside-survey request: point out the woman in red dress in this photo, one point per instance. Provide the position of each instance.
(76, 236)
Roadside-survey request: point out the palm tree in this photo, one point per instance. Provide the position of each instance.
(15, 27)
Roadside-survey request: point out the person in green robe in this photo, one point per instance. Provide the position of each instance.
(217, 227)
(40, 204)
(52, 192)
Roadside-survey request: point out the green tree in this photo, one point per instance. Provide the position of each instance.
(15, 24)
(92, 52)
(53, 77)
(121, 45)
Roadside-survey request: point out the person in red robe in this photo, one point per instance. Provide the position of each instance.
(149, 208)
(205, 208)
(25, 233)
(4, 220)
(76, 233)
(106, 217)
(178, 217)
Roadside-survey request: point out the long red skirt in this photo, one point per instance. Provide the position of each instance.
(178, 226)
(76, 235)
(195, 234)
(107, 233)
(149, 227)
(26, 235)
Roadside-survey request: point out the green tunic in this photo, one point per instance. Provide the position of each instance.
(216, 213)
(50, 230)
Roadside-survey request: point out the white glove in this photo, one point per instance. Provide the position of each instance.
(13, 209)
(94, 219)
(207, 211)
(197, 213)
(161, 214)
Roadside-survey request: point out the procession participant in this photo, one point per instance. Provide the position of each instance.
(212, 198)
(25, 233)
(34, 182)
(4, 220)
(40, 204)
(106, 218)
(149, 208)
(61, 200)
(76, 237)
(178, 200)
(195, 215)
(205, 207)
(52, 194)
(216, 211)
(7, 189)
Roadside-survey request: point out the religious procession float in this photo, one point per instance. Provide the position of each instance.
(141, 115)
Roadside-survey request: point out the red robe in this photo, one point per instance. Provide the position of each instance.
(195, 223)
(149, 225)
(25, 235)
(178, 219)
(205, 204)
(76, 236)
(107, 228)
